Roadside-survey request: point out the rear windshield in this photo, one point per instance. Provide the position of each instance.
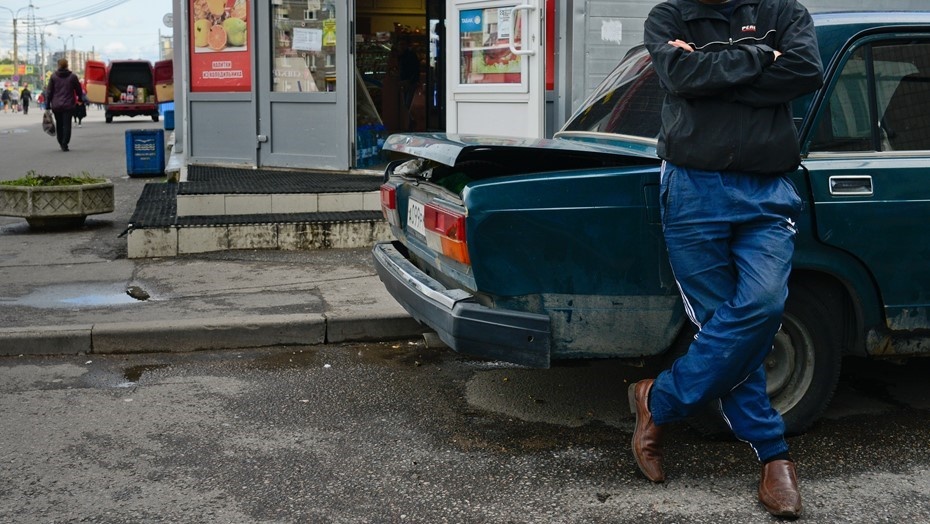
(627, 102)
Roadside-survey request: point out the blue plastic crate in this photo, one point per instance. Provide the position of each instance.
(145, 152)
(169, 119)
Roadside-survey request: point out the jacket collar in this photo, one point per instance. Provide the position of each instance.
(695, 9)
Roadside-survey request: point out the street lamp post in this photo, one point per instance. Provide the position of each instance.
(44, 58)
(15, 41)
(64, 42)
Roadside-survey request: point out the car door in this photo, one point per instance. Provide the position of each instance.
(95, 78)
(163, 73)
(868, 168)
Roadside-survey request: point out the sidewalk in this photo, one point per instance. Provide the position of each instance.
(69, 292)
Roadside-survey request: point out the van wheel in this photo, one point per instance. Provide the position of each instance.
(108, 117)
(154, 117)
(803, 368)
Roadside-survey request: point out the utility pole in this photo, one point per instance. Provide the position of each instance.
(15, 40)
(31, 41)
(44, 59)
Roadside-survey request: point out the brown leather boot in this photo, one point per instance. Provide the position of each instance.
(647, 437)
(778, 489)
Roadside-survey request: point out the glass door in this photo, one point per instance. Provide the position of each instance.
(496, 73)
(303, 83)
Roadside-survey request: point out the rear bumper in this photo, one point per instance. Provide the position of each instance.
(462, 323)
(132, 109)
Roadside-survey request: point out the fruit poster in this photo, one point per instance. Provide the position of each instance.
(486, 57)
(219, 55)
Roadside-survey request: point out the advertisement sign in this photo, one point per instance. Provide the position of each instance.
(471, 21)
(24, 69)
(219, 53)
(486, 57)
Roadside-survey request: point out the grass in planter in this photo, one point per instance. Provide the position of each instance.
(34, 179)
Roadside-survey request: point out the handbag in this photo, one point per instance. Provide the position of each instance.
(48, 123)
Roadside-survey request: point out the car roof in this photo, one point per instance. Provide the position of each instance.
(835, 29)
(871, 18)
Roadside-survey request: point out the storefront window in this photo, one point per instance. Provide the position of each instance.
(305, 46)
(485, 56)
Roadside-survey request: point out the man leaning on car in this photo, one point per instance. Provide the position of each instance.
(729, 69)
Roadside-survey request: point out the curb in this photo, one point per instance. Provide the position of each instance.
(177, 336)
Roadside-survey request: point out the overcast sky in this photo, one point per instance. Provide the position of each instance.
(127, 30)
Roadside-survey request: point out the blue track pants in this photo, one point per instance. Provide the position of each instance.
(730, 238)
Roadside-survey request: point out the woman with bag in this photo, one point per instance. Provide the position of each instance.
(62, 91)
(80, 109)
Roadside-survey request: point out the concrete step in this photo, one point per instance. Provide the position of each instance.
(219, 209)
(212, 190)
(275, 203)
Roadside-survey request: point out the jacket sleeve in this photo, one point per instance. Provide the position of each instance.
(76, 86)
(796, 72)
(698, 74)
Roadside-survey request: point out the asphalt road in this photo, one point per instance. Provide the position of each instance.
(398, 432)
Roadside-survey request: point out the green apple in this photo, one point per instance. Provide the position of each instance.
(235, 31)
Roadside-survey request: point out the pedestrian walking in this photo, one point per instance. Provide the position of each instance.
(5, 98)
(25, 96)
(14, 99)
(62, 91)
(80, 108)
(729, 69)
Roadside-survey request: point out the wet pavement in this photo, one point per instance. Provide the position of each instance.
(67, 292)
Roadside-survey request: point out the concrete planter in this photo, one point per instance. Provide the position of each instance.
(56, 207)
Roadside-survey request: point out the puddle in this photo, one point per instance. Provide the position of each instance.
(75, 296)
(132, 375)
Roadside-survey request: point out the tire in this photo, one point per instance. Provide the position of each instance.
(108, 117)
(803, 368)
(154, 117)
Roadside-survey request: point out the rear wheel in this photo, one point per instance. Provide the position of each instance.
(803, 367)
(154, 117)
(108, 117)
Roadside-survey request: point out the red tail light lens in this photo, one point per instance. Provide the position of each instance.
(389, 204)
(445, 232)
(388, 197)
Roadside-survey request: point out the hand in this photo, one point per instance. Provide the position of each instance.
(777, 54)
(681, 44)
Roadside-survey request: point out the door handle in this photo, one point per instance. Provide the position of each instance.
(855, 185)
(513, 30)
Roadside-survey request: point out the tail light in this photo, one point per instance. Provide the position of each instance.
(389, 204)
(445, 232)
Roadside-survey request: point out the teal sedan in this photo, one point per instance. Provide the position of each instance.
(530, 251)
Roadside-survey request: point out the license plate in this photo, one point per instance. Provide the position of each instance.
(415, 217)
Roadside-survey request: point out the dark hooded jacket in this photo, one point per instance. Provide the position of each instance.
(63, 87)
(727, 103)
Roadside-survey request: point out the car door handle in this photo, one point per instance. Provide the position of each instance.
(858, 185)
